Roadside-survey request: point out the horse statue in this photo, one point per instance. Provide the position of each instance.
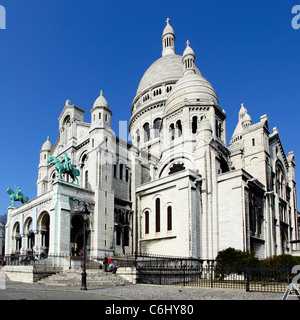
(16, 196)
(64, 167)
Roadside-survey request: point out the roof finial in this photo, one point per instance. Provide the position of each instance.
(167, 21)
(187, 43)
(101, 93)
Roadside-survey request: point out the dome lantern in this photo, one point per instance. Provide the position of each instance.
(168, 40)
(188, 59)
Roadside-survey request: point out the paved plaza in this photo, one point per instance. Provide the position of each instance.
(22, 291)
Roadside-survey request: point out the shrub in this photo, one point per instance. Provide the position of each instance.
(232, 260)
(283, 260)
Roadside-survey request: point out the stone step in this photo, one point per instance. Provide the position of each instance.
(95, 277)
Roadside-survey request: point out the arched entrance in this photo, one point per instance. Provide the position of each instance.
(77, 235)
(30, 234)
(45, 230)
(17, 237)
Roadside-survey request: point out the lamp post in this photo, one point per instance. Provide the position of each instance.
(85, 214)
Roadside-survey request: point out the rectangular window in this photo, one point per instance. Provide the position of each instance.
(169, 218)
(86, 179)
(157, 215)
(253, 142)
(126, 237)
(121, 171)
(115, 170)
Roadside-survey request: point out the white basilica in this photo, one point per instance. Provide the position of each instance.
(178, 189)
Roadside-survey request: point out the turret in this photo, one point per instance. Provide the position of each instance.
(42, 181)
(100, 114)
(188, 59)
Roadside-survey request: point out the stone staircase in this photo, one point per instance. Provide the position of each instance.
(95, 278)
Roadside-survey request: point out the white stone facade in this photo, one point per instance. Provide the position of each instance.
(178, 189)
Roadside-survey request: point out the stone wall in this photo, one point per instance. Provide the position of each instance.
(29, 274)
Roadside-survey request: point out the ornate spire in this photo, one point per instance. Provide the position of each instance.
(168, 40)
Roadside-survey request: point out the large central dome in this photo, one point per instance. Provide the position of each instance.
(167, 68)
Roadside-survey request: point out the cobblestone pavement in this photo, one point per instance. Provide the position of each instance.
(155, 292)
(22, 291)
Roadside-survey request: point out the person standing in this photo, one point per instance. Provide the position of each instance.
(105, 261)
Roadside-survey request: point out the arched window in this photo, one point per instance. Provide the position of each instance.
(146, 128)
(179, 128)
(172, 132)
(169, 218)
(157, 215)
(156, 125)
(194, 124)
(280, 181)
(146, 222)
(67, 128)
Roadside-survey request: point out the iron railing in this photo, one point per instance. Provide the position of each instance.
(249, 279)
(191, 272)
(22, 260)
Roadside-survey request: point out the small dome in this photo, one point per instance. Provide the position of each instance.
(47, 146)
(101, 101)
(188, 50)
(165, 69)
(168, 29)
(193, 88)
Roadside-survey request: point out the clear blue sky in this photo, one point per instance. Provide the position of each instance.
(54, 50)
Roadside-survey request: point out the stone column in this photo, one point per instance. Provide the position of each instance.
(24, 243)
(60, 222)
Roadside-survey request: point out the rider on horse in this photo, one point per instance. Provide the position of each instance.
(66, 162)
